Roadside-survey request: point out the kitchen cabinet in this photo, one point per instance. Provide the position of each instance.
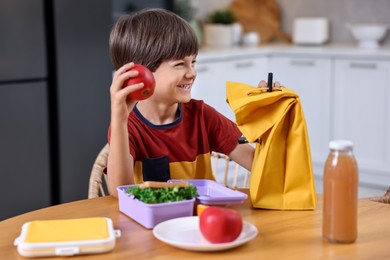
(361, 113)
(212, 75)
(310, 78)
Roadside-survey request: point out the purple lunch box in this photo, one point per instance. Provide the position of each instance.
(150, 215)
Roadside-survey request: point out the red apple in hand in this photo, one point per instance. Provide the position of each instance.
(145, 76)
(220, 225)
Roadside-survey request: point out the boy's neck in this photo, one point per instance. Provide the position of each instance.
(158, 114)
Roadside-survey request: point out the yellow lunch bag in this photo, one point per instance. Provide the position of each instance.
(282, 173)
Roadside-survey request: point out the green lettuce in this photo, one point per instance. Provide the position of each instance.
(162, 195)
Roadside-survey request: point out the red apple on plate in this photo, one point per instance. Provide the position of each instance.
(145, 76)
(220, 225)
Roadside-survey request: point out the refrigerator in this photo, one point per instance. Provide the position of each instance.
(24, 118)
(55, 74)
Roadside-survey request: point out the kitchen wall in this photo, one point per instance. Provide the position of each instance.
(339, 12)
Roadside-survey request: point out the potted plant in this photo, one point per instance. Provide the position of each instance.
(218, 30)
(222, 16)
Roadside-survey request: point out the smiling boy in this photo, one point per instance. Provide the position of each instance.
(169, 135)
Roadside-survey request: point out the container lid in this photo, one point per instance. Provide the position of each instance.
(341, 145)
(214, 193)
(66, 237)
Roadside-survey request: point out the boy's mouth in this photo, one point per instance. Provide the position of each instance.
(185, 86)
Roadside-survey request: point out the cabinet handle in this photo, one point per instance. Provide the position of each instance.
(356, 65)
(306, 63)
(202, 69)
(241, 65)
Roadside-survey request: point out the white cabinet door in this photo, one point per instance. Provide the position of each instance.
(310, 78)
(212, 76)
(210, 86)
(362, 114)
(248, 71)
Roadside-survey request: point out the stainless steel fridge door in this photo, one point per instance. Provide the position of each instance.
(25, 180)
(22, 40)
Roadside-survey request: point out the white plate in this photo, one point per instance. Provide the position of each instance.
(185, 233)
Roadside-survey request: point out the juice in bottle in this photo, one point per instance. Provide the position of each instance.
(340, 193)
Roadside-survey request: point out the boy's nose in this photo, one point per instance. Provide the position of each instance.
(191, 72)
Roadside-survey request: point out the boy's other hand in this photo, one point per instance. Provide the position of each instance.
(264, 84)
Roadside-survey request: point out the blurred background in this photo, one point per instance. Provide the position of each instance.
(338, 12)
(55, 74)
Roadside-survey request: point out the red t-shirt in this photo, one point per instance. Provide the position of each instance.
(181, 149)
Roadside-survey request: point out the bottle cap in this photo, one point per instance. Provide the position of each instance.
(341, 145)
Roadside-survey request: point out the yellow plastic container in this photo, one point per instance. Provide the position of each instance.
(66, 237)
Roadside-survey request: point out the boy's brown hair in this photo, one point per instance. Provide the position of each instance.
(150, 37)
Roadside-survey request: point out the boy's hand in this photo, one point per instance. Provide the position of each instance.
(263, 84)
(121, 106)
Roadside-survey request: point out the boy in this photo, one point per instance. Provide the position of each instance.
(169, 135)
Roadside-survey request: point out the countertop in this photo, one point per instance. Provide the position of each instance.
(272, 50)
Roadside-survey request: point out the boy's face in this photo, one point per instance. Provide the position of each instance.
(174, 79)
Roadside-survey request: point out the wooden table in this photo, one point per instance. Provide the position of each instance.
(282, 234)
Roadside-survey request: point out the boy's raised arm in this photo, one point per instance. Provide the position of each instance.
(120, 165)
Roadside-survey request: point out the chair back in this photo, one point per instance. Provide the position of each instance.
(98, 179)
(225, 171)
(228, 172)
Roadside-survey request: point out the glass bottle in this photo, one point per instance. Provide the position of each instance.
(340, 193)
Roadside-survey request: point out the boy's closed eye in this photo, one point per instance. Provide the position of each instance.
(179, 64)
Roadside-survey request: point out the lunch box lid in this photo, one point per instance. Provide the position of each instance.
(66, 237)
(214, 193)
